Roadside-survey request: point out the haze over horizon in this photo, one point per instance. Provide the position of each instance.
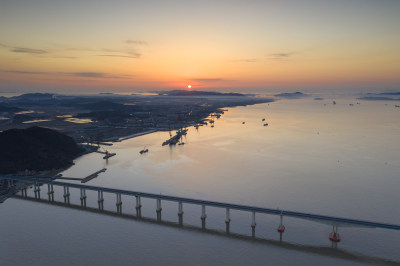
(237, 45)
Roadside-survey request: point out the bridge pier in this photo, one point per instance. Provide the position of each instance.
(158, 210)
(83, 197)
(50, 192)
(138, 207)
(100, 200)
(253, 225)
(227, 220)
(334, 236)
(203, 217)
(66, 194)
(180, 213)
(119, 203)
(281, 227)
(37, 191)
(24, 192)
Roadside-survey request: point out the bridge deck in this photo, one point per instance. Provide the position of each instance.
(309, 216)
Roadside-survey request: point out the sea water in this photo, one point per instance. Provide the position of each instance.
(338, 159)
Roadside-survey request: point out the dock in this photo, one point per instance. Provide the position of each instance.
(94, 175)
(175, 139)
(107, 154)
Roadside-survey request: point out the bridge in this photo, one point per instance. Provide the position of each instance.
(14, 182)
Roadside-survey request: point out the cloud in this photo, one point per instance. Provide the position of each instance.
(97, 75)
(89, 74)
(136, 42)
(205, 80)
(24, 72)
(208, 80)
(60, 53)
(125, 56)
(281, 56)
(127, 53)
(75, 74)
(248, 60)
(16, 49)
(28, 50)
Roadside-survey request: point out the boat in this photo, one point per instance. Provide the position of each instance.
(144, 151)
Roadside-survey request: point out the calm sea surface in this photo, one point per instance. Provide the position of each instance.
(315, 157)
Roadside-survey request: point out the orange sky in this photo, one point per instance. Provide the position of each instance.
(64, 46)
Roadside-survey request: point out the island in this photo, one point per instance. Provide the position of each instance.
(292, 95)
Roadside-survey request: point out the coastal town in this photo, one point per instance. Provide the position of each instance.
(56, 129)
(110, 117)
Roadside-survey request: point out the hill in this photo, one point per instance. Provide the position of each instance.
(36, 148)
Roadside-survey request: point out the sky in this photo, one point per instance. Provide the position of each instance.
(237, 45)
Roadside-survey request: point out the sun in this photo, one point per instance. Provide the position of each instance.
(189, 87)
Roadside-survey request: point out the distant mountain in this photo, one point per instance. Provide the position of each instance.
(36, 148)
(197, 93)
(292, 95)
(381, 96)
(378, 98)
(35, 96)
(395, 93)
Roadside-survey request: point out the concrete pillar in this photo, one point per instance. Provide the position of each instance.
(24, 192)
(119, 203)
(281, 227)
(138, 207)
(253, 225)
(180, 213)
(158, 210)
(100, 200)
(227, 220)
(66, 194)
(50, 192)
(83, 197)
(334, 236)
(37, 191)
(203, 216)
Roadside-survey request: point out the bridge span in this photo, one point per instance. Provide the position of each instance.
(15, 182)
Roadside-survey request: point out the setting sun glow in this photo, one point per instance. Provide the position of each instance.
(288, 45)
